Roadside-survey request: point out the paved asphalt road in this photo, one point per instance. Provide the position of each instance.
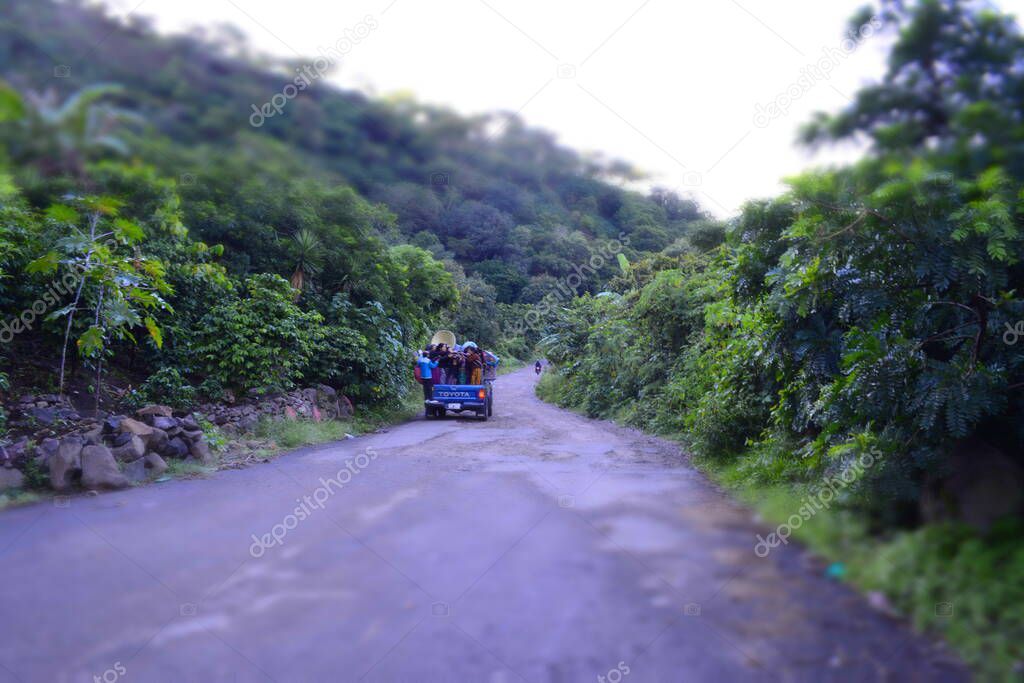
(538, 546)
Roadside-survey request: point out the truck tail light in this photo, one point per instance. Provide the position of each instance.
(482, 394)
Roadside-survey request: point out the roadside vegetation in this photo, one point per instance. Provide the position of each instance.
(868, 312)
(176, 252)
(289, 434)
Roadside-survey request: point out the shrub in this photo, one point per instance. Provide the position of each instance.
(260, 341)
(211, 389)
(167, 387)
(362, 353)
(37, 476)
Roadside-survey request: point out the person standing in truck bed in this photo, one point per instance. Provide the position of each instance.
(474, 363)
(426, 367)
(491, 362)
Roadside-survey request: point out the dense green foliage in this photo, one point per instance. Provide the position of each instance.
(115, 280)
(504, 201)
(981, 579)
(219, 254)
(167, 387)
(864, 309)
(260, 340)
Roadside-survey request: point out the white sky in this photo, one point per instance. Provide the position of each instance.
(670, 86)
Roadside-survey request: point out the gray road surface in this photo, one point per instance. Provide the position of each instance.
(538, 546)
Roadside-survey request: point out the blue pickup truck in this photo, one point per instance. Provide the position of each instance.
(461, 398)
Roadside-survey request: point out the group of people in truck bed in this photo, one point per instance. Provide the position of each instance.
(461, 364)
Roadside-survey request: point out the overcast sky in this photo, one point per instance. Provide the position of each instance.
(671, 86)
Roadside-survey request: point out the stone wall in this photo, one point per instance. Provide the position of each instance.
(109, 454)
(112, 451)
(315, 403)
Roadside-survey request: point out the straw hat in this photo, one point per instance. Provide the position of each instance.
(443, 337)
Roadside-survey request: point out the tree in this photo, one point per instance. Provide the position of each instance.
(506, 280)
(476, 317)
(114, 282)
(308, 254)
(477, 231)
(58, 136)
(953, 86)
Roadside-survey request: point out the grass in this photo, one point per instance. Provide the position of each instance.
(509, 364)
(16, 497)
(290, 434)
(372, 419)
(180, 469)
(549, 386)
(947, 579)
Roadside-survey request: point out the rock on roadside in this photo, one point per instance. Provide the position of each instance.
(149, 467)
(200, 450)
(100, 470)
(153, 438)
(65, 463)
(134, 449)
(10, 478)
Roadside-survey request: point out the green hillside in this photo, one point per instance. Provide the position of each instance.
(503, 200)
